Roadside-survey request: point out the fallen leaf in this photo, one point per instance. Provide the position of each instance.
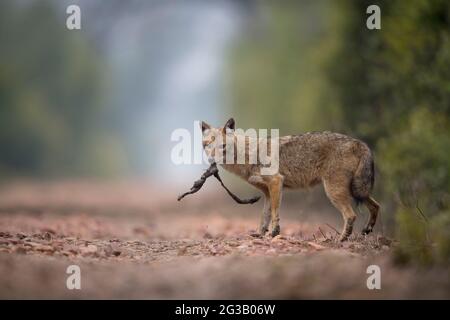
(316, 246)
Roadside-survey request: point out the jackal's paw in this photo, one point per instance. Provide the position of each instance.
(343, 238)
(275, 231)
(262, 231)
(256, 235)
(366, 230)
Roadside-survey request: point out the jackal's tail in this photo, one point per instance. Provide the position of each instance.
(364, 177)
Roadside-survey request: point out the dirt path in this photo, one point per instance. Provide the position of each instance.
(133, 247)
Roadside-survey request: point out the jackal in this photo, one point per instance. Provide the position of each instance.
(343, 164)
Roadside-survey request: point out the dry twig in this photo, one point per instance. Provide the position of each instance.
(323, 235)
(332, 228)
(213, 171)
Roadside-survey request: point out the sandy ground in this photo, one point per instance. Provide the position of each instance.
(134, 241)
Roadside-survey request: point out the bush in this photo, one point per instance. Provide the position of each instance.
(415, 164)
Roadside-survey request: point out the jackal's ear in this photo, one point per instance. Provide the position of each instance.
(229, 125)
(204, 126)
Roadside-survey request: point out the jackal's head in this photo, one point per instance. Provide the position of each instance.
(214, 139)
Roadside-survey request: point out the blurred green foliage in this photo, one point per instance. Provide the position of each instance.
(52, 97)
(277, 75)
(298, 65)
(313, 65)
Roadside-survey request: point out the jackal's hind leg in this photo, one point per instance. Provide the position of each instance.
(373, 207)
(341, 198)
(348, 227)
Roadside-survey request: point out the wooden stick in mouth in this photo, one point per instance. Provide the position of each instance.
(214, 171)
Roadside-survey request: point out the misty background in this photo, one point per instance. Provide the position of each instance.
(110, 95)
(102, 102)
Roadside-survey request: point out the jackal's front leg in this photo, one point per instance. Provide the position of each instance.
(265, 216)
(275, 187)
(258, 182)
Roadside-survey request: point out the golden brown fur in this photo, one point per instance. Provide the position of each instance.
(343, 164)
